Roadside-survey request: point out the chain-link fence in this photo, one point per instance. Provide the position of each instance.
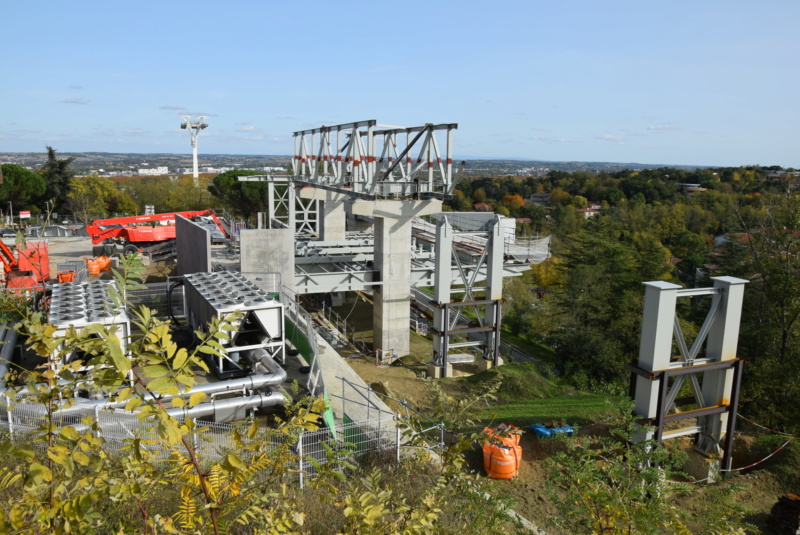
(349, 441)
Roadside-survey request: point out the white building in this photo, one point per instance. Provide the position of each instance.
(163, 170)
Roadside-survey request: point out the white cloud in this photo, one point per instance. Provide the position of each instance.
(75, 101)
(619, 140)
(548, 139)
(171, 107)
(664, 126)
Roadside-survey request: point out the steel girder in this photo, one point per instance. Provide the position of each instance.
(328, 274)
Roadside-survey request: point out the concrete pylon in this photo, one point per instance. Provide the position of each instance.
(392, 298)
(723, 339)
(332, 224)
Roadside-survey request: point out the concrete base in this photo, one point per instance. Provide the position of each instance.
(435, 372)
(702, 467)
(484, 365)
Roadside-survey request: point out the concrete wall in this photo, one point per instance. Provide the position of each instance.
(268, 251)
(192, 246)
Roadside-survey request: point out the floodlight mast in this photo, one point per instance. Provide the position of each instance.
(194, 128)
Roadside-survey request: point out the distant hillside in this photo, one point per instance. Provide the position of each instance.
(86, 162)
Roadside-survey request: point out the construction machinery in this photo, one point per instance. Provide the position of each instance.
(148, 233)
(28, 268)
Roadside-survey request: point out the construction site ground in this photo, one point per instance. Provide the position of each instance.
(406, 381)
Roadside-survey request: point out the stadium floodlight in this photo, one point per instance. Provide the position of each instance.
(194, 128)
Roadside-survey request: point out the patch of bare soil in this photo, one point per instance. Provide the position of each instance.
(529, 489)
(402, 382)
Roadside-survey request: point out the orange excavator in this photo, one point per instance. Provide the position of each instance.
(143, 232)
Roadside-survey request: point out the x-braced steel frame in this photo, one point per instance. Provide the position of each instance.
(717, 394)
(286, 209)
(662, 418)
(448, 312)
(372, 161)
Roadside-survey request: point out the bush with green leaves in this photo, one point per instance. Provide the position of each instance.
(613, 485)
(66, 478)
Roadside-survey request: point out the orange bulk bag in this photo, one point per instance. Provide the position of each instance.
(501, 462)
(66, 276)
(104, 263)
(497, 435)
(93, 266)
(502, 452)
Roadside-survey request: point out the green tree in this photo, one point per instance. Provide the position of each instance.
(479, 195)
(20, 186)
(519, 307)
(769, 257)
(461, 202)
(597, 309)
(93, 197)
(244, 198)
(57, 175)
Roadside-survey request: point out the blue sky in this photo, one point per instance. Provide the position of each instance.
(679, 82)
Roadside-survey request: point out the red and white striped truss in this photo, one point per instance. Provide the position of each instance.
(376, 161)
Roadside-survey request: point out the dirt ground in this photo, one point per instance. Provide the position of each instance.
(530, 488)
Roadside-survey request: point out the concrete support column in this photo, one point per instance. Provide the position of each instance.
(721, 345)
(655, 345)
(333, 223)
(392, 260)
(392, 300)
(494, 289)
(442, 282)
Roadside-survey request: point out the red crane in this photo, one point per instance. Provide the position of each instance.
(136, 232)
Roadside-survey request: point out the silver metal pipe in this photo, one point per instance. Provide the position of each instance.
(252, 383)
(230, 409)
(222, 410)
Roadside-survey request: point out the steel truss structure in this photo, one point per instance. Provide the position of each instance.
(717, 391)
(371, 161)
(448, 313)
(285, 206)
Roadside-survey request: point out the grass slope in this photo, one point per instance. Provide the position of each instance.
(525, 397)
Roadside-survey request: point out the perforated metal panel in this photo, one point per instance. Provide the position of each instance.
(216, 295)
(81, 304)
